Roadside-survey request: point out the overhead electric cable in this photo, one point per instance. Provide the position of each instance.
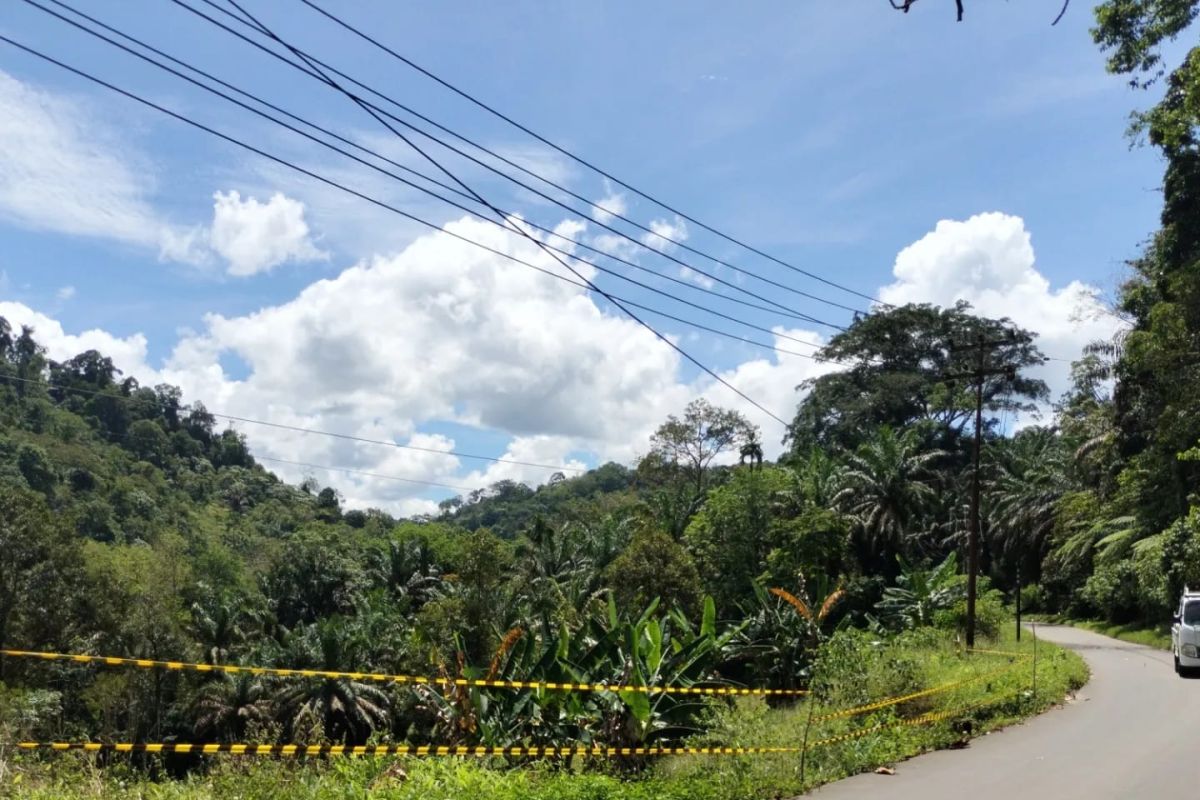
(406, 181)
(112, 436)
(279, 425)
(314, 73)
(326, 468)
(379, 203)
(578, 159)
(654, 331)
(699, 326)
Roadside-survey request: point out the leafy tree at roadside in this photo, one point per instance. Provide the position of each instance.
(899, 364)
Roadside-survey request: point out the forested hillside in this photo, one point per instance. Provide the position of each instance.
(132, 526)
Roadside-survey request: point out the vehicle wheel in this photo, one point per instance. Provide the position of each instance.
(1178, 669)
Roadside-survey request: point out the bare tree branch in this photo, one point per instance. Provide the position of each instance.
(905, 5)
(1060, 13)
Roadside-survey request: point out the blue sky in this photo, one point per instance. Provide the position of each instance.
(831, 135)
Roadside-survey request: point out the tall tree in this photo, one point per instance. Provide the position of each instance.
(886, 487)
(681, 452)
(1157, 396)
(1028, 476)
(901, 362)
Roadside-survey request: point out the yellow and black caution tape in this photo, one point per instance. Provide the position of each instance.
(399, 749)
(923, 719)
(892, 701)
(414, 680)
(594, 751)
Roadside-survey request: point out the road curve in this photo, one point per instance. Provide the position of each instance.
(1132, 732)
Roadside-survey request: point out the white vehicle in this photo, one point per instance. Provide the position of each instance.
(1185, 633)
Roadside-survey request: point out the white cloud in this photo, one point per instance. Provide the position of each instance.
(257, 237)
(611, 205)
(537, 449)
(772, 383)
(65, 293)
(444, 331)
(64, 171)
(661, 230)
(127, 353)
(441, 331)
(988, 260)
(687, 273)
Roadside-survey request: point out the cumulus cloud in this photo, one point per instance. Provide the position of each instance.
(127, 353)
(772, 382)
(446, 332)
(257, 237)
(66, 171)
(662, 230)
(63, 170)
(689, 274)
(612, 204)
(988, 260)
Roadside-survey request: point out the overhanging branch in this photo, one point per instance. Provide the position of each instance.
(905, 5)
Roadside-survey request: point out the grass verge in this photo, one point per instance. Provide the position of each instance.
(1158, 636)
(857, 669)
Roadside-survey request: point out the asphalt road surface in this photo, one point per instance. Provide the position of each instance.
(1133, 732)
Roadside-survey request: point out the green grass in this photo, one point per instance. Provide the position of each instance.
(1157, 636)
(858, 669)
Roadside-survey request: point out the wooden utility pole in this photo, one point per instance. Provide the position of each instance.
(978, 375)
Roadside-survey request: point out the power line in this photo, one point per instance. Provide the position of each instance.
(293, 428)
(113, 435)
(381, 204)
(579, 160)
(434, 194)
(314, 73)
(374, 201)
(368, 474)
(418, 187)
(659, 335)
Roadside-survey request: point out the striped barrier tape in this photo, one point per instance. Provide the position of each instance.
(483, 751)
(414, 680)
(945, 687)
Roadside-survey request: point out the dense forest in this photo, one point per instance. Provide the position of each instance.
(131, 525)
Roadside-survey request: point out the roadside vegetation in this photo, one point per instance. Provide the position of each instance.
(133, 524)
(859, 667)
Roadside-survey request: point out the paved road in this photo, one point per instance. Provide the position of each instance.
(1133, 732)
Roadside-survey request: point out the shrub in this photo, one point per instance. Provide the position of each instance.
(1033, 599)
(990, 614)
(1112, 591)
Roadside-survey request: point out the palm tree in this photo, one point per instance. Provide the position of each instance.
(1028, 477)
(814, 482)
(883, 486)
(225, 708)
(341, 709)
(220, 624)
(409, 570)
(555, 570)
(752, 451)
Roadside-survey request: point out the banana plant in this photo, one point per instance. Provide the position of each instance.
(654, 649)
